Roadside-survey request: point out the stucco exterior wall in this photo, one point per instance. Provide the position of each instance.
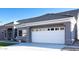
(70, 31)
(68, 34)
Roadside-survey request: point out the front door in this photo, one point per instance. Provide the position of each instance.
(10, 33)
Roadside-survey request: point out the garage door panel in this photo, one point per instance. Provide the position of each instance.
(57, 36)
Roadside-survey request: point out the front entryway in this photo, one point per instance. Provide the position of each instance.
(9, 33)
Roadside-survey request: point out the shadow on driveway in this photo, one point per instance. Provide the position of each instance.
(42, 45)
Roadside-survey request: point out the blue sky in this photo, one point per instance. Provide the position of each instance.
(12, 14)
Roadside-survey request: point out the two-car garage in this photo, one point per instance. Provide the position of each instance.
(48, 35)
(58, 28)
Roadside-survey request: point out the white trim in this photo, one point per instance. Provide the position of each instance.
(73, 22)
(78, 27)
(44, 22)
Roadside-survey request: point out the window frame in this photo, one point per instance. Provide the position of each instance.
(57, 28)
(52, 29)
(20, 32)
(62, 28)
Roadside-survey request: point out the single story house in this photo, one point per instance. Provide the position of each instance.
(58, 28)
(7, 31)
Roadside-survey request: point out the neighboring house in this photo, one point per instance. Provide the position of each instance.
(58, 28)
(6, 31)
(2, 33)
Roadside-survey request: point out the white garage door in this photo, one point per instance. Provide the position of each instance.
(49, 35)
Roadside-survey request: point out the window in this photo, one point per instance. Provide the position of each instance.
(52, 29)
(20, 32)
(39, 29)
(61, 28)
(48, 29)
(56, 28)
(24, 32)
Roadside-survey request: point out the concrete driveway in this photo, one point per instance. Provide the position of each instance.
(42, 45)
(36, 51)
